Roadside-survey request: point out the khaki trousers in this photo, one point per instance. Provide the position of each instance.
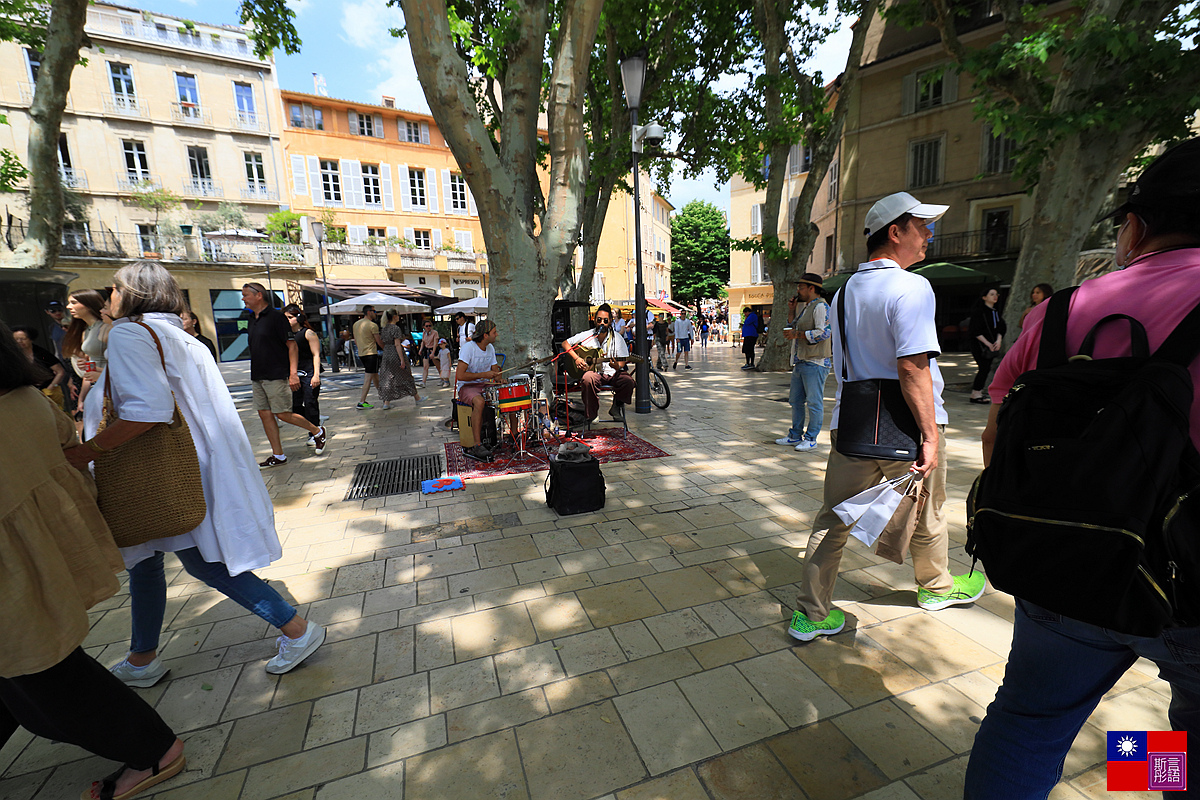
(845, 477)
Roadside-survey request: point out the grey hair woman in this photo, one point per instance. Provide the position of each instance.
(238, 535)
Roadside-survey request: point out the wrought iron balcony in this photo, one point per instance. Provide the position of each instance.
(73, 178)
(259, 191)
(137, 182)
(125, 105)
(202, 187)
(190, 114)
(248, 121)
(998, 241)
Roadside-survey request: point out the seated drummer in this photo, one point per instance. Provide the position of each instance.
(476, 368)
(609, 372)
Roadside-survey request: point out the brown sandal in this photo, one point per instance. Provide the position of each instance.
(109, 784)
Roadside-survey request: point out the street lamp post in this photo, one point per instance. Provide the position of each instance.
(633, 76)
(264, 252)
(318, 231)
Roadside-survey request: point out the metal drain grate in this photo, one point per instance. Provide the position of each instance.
(394, 476)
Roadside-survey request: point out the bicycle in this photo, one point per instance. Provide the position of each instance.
(660, 390)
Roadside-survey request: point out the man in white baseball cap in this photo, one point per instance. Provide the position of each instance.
(894, 206)
(883, 328)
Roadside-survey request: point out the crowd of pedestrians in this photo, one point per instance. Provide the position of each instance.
(140, 358)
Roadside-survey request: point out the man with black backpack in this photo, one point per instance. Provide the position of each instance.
(885, 336)
(1099, 392)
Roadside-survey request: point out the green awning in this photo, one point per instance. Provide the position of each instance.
(945, 274)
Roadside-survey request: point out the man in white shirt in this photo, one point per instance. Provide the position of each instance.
(609, 366)
(684, 333)
(477, 367)
(890, 335)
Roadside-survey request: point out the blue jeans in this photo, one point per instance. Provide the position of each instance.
(808, 391)
(148, 590)
(1057, 673)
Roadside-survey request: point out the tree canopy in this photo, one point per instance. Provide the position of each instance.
(699, 253)
(1081, 91)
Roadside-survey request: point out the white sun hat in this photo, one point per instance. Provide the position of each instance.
(890, 208)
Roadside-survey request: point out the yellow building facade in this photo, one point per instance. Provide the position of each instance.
(615, 278)
(166, 103)
(910, 127)
(387, 183)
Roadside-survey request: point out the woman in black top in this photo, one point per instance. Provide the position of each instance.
(52, 388)
(987, 334)
(306, 399)
(191, 324)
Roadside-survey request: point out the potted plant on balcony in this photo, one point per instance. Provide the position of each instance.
(157, 199)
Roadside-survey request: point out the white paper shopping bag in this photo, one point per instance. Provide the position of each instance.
(874, 517)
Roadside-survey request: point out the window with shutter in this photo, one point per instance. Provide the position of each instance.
(416, 189)
(372, 193)
(756, 219)
(756, 268)
(385, 185)
(314, 181)
(331, 183)
(402, 187)
(925, 163)
(431, 188)
(299, 176)
(457, 194)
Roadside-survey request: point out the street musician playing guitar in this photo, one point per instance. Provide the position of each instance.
(603, 366)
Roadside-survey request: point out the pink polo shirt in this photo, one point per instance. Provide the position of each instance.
(1159, 291)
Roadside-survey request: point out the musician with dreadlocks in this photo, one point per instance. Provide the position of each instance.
(608, 372)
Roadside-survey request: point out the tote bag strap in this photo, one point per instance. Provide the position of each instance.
(161, 358)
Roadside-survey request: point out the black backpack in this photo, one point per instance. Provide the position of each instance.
(1089, 506)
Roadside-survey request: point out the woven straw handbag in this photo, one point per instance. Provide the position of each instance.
(150, 487)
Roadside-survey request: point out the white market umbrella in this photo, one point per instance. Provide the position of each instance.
(475, 305)
(381, 302)
(234, 235)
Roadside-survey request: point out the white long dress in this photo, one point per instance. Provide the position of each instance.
(239, 530)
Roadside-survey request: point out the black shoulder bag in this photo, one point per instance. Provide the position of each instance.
(874, 420)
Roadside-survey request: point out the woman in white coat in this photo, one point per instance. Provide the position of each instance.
(238, 535)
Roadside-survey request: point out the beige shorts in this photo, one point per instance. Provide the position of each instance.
(273, 396)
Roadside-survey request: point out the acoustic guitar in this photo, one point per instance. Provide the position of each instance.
(593, 358)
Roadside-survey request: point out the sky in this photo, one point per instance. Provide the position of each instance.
(348, 42)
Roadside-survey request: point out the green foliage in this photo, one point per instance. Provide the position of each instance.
(699, 252)
(228, 215)
(12, 171)
(284, 227)
(273, 26)
(24, 22)
(157, 199)
(1085, 72)
(333, 233)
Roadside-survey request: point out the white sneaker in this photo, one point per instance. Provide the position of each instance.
(141, 677)
(293, 651)
(788, 440)
(806, 444)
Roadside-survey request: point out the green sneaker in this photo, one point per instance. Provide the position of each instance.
(806, 630)
(967, 589)
(364, 405)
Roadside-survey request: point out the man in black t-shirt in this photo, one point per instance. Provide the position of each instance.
(660, 330)
(273, 363)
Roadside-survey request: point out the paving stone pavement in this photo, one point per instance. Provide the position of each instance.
(482, 647)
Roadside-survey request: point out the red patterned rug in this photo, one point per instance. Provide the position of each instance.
(607, 445)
